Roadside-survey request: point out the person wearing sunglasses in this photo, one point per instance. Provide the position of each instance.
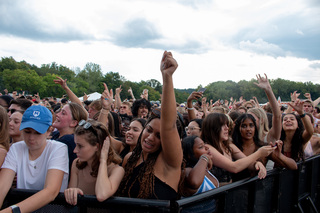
(40, 164)
(19, 104)
(153, 169)
(96, 170)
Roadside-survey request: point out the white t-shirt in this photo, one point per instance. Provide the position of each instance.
(32, 174)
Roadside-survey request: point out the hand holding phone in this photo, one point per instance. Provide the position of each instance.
(202, 90)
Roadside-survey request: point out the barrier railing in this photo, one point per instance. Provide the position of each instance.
(281, 191)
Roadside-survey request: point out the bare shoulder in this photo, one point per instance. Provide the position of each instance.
(2, 149)
(125, 159)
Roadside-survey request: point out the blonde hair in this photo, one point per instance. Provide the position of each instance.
(218, 109)
(263, 126)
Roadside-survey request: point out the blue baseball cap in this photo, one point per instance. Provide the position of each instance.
(36, 117)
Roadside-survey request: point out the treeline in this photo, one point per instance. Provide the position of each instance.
(22, 76)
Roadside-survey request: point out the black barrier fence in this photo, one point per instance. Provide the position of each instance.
(281, 191)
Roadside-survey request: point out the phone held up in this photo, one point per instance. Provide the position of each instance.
(202, 90)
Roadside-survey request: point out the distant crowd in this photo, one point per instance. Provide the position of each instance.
(141, 149)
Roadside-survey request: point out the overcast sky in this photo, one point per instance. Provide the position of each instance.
(211, 40)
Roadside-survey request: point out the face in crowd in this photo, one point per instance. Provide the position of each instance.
(143, 111)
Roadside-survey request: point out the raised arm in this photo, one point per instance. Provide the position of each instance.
(117, 98)
(307, 133)
(191, 112)
(131, 93)
(170, 140)
(71, 95)
(204, 106)
(275, 131)
(106, 102)
(294, 96)
(107, 181)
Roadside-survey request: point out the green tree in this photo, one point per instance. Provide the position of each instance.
(28, 81)
(93, 76)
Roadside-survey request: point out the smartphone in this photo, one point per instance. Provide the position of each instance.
(202, 90)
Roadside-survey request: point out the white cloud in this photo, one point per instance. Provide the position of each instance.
(261, 47)
(299, 32)
(212, 40)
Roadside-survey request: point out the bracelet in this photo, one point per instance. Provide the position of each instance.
(190, 108)
(15, 209)
(205, 158)
(303, 115)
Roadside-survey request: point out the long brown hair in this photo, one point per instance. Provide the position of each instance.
(95, 135)
(146, 175)
(211, 128)
(4, 126)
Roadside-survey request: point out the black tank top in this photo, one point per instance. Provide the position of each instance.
(161, 190)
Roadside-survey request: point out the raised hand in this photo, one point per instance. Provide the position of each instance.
(63, 83)
(85, 97)
(118, 90)
(297, 105)
(194, 96)
(168, 64)
(106, 97)
(204, 101)
(217, 103)
(308, 96)
(256, 102)
(294, 96)
(105, 150)
(263, 83)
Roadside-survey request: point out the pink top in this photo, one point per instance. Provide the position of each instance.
(86, 182)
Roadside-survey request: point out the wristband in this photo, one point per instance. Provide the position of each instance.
(15, 209)
(190, 108)
(303, 115)
(205, 158)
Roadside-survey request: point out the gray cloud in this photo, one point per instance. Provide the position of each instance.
(295, 34)
(315, 66)
(16, 20)
(136, 33)
(142, 33)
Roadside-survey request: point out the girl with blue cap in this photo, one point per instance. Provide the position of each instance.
(40, 164)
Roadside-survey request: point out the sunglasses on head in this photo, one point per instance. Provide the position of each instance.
(87, 125)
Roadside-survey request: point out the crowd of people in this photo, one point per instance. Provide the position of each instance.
(132, 148)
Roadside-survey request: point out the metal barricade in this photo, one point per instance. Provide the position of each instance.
(281, 191)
